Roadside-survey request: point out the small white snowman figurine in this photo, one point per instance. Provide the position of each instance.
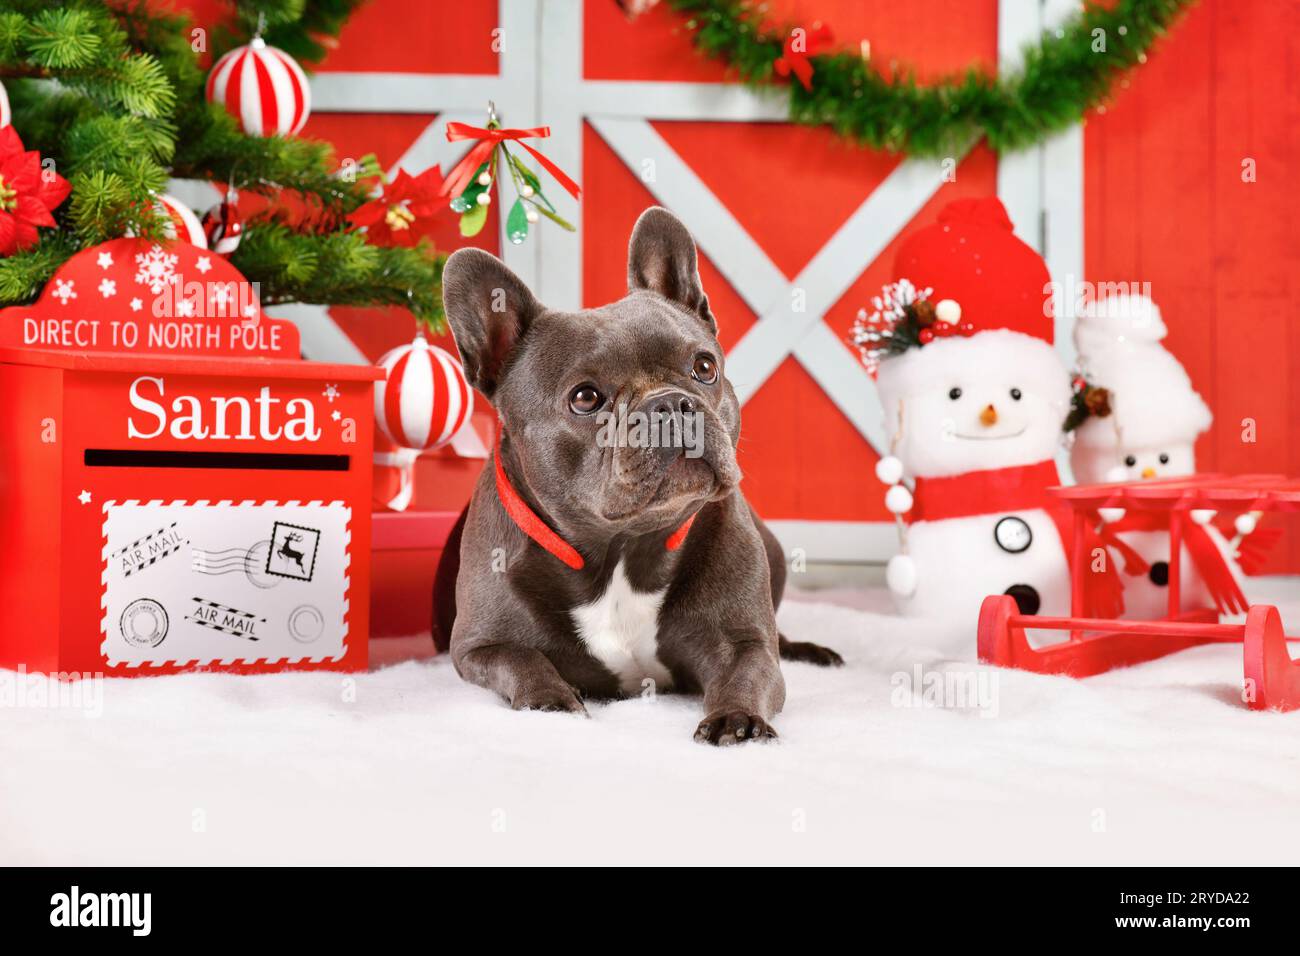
(974, 397)
(1135, 416)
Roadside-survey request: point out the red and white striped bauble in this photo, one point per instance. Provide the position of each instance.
(223, 228)
(182, 224)
(262, 87)
(425, 399)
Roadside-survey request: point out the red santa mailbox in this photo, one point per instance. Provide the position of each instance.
(180, 489)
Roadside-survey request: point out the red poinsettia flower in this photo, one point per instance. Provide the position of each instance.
(27, 193)
(403, 214)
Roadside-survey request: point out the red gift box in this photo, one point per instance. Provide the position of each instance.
(181, 490)
(407, 545)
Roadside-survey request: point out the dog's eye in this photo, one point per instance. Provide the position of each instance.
(585, 399)
(705, 369)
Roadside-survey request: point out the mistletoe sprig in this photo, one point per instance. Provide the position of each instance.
(471, 181)
(1065, 74)
(529, 206)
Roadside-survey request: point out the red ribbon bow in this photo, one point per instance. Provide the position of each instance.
(795, 58)
(487, 141)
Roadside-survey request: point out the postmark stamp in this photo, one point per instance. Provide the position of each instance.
(250, 562)
(293, 551)
(144, 623)
(306, 623)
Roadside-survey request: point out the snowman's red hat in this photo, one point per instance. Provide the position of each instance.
(971, 256)
(971, 266)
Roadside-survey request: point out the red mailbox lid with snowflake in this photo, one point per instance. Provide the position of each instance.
(137, 296)
(196, 488)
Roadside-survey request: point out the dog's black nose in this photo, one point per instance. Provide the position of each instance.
(668, 404)
(667, 414)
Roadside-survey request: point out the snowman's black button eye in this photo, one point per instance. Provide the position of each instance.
(1015, 394)
(954, 393)
(1130, 461)
(1164, 458)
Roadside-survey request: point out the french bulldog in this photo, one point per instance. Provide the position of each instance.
(586, 566)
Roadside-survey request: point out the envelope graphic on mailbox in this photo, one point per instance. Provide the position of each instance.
(230, 582)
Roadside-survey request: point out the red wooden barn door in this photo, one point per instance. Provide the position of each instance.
(797, 228)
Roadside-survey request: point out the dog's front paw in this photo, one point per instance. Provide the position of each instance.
(725, 727)
(809, 653)
(549, 698)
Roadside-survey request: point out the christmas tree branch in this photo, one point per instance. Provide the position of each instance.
(210, 146)
(116, 162)
(129, 110)
(103, 125)
(209, 142)
(298, 26)
(340, 268)
(86, 49)
(23, 274)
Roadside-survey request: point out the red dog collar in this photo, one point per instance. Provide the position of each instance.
(537, 529)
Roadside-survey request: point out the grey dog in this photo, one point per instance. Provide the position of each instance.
(592, 567)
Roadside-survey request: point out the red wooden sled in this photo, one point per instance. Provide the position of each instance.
(1271, 679)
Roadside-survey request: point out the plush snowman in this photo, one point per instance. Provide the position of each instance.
(1136, 416)
(1150, 416)
(974, 397)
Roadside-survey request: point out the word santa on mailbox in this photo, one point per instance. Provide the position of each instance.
(180, 489)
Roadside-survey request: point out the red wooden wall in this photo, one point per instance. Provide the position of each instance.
(1164, 201)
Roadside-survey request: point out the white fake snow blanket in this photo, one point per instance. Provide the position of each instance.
(1158, 764)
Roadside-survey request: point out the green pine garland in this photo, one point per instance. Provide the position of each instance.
(128, 112)
(1062, 78)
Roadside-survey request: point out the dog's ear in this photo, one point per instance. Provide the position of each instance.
(489, 310)
(661, 258)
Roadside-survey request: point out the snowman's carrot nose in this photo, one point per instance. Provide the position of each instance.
(989, 416)
(1148, 472)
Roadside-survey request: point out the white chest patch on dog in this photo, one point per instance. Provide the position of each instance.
(620, 629)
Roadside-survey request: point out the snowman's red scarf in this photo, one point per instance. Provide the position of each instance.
(540, 531)
(1023, 488)
(1210, 562)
